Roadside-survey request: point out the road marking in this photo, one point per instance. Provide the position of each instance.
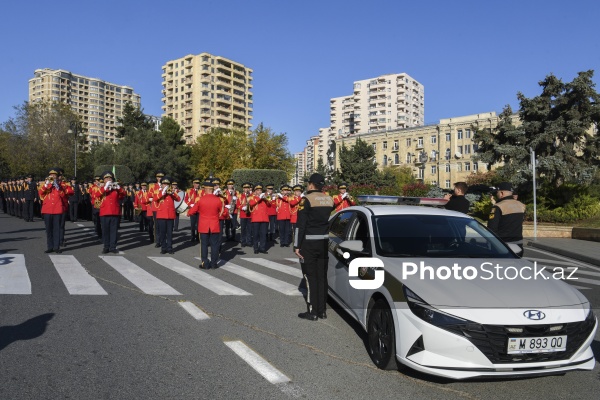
(585, 280)
(580, 287)
(146, 282)
(261, 279)
(81, 225)
(14, 278)
(575, 262)
(295, 259)
(547, 260)
(193, 310)
(258, 363)
(286, 269)
(76, 279)
(202, 278)
(579, 271)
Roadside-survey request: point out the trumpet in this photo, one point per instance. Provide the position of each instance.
(170, 189)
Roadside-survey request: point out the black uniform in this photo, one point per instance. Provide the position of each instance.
(30, 194)
(312, 238)
(458, 203)
(506, 220)
(74, 203)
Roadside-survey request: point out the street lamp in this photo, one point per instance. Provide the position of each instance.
(73, 130)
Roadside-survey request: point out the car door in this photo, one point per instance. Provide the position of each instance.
(337, 270)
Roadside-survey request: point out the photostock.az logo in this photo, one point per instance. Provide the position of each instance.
(366, 262)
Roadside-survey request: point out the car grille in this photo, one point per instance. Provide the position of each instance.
(492, 340)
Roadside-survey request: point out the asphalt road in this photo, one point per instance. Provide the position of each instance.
(138, 341)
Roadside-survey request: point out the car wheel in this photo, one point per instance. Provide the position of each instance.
(381, 336)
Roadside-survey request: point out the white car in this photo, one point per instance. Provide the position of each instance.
(469, 324)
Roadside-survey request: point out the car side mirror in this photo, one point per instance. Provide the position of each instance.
(352, 246)
(516, 249)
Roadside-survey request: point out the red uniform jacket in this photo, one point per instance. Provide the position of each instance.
(235, 204)
(294, 208)
(340, 203)
(244, 203)
(191, 197)
(110, 201)
(283, 208)
(209, 207)
(95, 196)
(141, 200)
(165, 205)
(52, 199)
(69, 191)
(259, 208)
(271, 208)
(153, 189)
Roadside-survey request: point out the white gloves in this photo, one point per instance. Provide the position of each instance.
(164, 190)
(262, 195)
(280, 195)
(273, 197)
(47, 182)
(151, 199)
(234, 198)
(244, 208)
(117, 187)
(217, 192)
(345, 195)
(227, 206)
(192, 205)
(302, 195)
(107, 186)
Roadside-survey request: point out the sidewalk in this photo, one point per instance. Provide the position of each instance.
(582, 250)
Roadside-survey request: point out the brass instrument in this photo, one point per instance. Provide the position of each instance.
(169, 189)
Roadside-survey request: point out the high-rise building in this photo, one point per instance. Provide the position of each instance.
(392, 101)
(205, 91)
(98, 103)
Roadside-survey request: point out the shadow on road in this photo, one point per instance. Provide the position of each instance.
(29, 329)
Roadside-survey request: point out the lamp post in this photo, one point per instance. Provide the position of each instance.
(73, 130)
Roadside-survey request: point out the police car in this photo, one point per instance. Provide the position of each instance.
(438, 292)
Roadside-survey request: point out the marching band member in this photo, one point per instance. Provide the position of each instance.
(110, 209)
(191, 197)
(31, 196)
(179, 194)
(272, 212)
(259, 203)
(96, 200)
(298, 194)
(343, 199)
(128, 203)
(141, 205)
(74, 200)
(283, 215)
(209, 207)
(164, 203)
(225, 215)
(233, 198)
(68, 193)
(153, 189)
(52, 193)
(245, 215)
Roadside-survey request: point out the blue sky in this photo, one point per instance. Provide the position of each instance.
(471, 56)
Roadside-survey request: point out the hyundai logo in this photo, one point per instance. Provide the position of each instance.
(535, 315)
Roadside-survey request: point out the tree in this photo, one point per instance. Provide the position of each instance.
(172, 132)
(357, 163)
(133, 119)
(220, 152)
(557, 125)
(402, 175)
(269, 150)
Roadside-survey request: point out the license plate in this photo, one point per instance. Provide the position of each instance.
(546, 344)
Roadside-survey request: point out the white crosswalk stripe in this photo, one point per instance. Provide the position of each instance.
(76, 279)
(146, 282)
(200, 277)
(14, 278)
(193, 310)
(265, 280)
(286, 269)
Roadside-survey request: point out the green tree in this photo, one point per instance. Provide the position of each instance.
(557, 124)
(172, 132)
(219, 152)
(357, 163)
(269, 150)
(133, 119)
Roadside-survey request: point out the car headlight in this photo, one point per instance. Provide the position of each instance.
(430, 314)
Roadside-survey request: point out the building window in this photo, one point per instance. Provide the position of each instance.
(475, 148)
(385, 160)
(475, 166)
(459, 167)
(468, 133)
(467, 166)
(395, 145)
(433, 169)
(421, 173)
(467, 149)
(420, 142)
(459, 134)
(434, 183)
(385, 145)
(447, 167)
(447, 184)
(396, 158)
(447, 137)
(447, 154)
(408, 142)
(408, 158)
(374, 146)
(433, 139)
(459, 149)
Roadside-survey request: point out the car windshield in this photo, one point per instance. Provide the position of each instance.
(435, 236)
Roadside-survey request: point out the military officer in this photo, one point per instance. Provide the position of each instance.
(51, 193)
(31, 195)
(233, 199)
(141, 205)
(128, 203)
(74, 200)
(164, 204)
(110, 195)
(153, 189)
(343, 199)
(311, 243)
(209, 207)
(259, 203)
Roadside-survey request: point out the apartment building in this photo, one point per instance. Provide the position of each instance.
(438, 154)
(205, 91)
(387, 102)
(98, 103)
(300, 159)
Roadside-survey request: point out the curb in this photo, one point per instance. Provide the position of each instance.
(566, 253)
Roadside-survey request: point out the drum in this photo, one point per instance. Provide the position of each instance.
(181, 206)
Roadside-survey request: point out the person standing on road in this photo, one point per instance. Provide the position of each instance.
(457, 200)
(310, 245)
(191, 197)
(209, 207)
(245, 215)
(74, 200)
(52, 193)
(507, 215)
(164, 203)
(258, 204)
(31, 195)
(110, 211)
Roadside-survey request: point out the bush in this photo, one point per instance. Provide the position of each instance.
(264, 176)
(481, 208)
(580, 207)
(417, 189)
(122, 172)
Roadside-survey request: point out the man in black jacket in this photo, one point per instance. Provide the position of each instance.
(30, 195)
(507, 215)
(74, 200)
(457, 200)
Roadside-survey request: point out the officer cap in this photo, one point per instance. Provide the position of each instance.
(299, 187)
(174, 182)
(160, 173)
(247, 185)
(270, 186)
(284, 187)
(505, 186)
(143, 184)
(343, 185)
(216, 181)
(230, 182)
(108, 174)
(208, 183)
(317, 179)
(97, 178)
(73, 178)
(257, 186)
(166, 179)
(52, 171)
(197, 180)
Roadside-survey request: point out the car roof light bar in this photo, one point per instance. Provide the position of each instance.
(416, 201)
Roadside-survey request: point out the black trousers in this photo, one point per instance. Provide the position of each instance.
(315, 263)
(165, 229)
(63, 218)
(222, 225)
(143, 221)
(212, 240)
(28, 208)
(234, 223)
(150, 224)
(97, 223)
(73, 208)
(156, 228)
(176, 223)
(246, 234)
(259, 235)
(229, 229)
(272, 224)
(128, 211)
(110, 225)
(52, 222)
(194, 225)
(285, 236)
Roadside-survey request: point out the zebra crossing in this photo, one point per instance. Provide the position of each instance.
(15, 279)
(582, 273)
